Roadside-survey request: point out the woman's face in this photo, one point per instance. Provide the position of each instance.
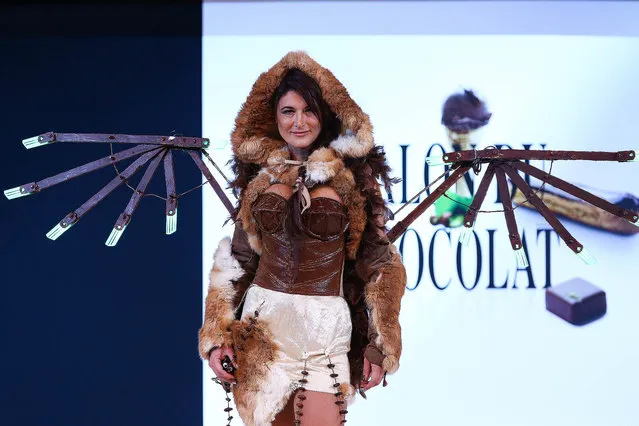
(297, 124)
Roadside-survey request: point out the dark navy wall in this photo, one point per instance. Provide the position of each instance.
(96, 335)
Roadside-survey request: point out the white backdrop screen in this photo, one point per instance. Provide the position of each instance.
(479, 346)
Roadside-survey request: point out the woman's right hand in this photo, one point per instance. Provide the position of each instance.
(215, 362)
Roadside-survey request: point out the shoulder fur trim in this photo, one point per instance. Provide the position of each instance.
(323, 165)
(353, 146)
(257, 148)
(255, 124)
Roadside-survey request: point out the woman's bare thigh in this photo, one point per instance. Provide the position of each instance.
(318, 409)
(286, 417)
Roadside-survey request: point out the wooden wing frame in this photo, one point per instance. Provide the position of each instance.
(150, 150)
(509, 162)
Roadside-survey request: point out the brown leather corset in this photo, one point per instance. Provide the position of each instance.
(309, 264)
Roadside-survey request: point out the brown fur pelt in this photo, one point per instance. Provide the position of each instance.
(255, 352)
(214, 332)
(219, 309)
(383, 298)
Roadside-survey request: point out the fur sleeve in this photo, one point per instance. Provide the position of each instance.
(380, 265)
(234, 265)
(384, 293)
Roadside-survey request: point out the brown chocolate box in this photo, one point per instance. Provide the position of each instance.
(576, 301)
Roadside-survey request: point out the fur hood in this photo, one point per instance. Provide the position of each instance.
(255, 137)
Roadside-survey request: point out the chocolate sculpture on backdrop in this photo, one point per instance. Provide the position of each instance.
(303, 302)
(463, 115)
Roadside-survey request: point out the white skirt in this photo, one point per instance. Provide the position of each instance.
(310, 332)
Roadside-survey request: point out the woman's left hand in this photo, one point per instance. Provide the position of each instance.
(373, 375)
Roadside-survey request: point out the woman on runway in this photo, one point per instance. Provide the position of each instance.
(304, 299)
